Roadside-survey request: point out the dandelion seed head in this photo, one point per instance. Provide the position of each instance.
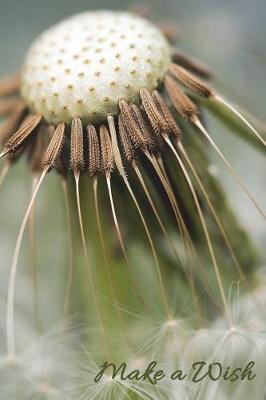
(110, 44)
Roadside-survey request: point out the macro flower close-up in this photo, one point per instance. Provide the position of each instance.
(132, 189)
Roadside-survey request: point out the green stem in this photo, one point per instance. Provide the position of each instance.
(233, 122)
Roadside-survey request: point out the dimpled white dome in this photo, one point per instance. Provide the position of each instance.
(84, 65)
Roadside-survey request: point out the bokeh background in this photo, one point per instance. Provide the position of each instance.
(229, 36)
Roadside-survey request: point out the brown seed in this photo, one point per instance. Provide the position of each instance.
(13, 122)
(76, 145)
(155, 117)
(115, 147)
(125, 140)
(95, 166)
(55, 146)
(107, 152)
(191, 81)
(61, 163)
(26, 128)
(147, 138)
(155, 141)
(192, 65)
(173, 128)
(130, 123)
(14, 156)
(180, 100)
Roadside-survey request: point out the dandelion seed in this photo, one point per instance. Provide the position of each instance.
(188, 110)
(202, 89)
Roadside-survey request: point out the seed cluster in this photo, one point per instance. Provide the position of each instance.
(86, 64)
(88, 136)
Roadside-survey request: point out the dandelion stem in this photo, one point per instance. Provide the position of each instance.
(97, 307)
(99, 225)
(4, 172)
(107, 265)
(33, 266)
(108, 181)
(219, 99)
(10, 323)
(186, 238)
(192, 253)
(121, 241)
(171, 197)
(214, 213)
(155, 211)
(204, 226)
(119, 165)
(70, 247)
(167, 236)
(232, 171)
